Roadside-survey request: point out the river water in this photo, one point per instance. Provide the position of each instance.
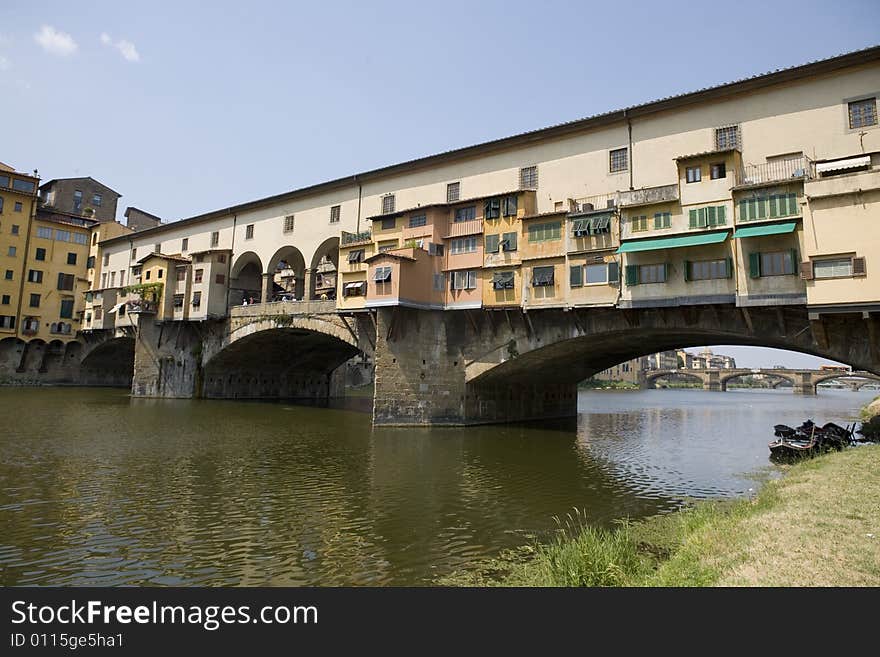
(100, 489)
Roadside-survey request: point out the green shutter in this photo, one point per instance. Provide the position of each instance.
(730, 268)
(557, 231)
(492, 243)
(487, 208)
(511, 241)
(710, 216)
(762, 208)
(576, 276)
(774, 206)
(632, 274)
(687, 270)
(665, 271)
(722, 215)
(613, 272)
(701, 218)
(744, 211)
(692, 217)
(792, 204)
(794, 261)
(754, 265)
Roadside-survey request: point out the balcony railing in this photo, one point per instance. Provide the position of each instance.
(649, 195)
(140, 306)
(355, 238)
(595, 203)
(462, 228)
(274, 308)
(418, 231)
(774, 172)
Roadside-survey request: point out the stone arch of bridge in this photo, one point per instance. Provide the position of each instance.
(725, 380)
(651, 377)
(288, 259)
(109, 362)
(568, 354)
(284, 357)
(245, 278)
(867, 376)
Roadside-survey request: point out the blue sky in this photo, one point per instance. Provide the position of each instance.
(184, 109)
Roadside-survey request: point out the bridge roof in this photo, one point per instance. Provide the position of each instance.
(721, 91)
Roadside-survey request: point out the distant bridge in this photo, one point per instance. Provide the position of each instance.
(804, 382)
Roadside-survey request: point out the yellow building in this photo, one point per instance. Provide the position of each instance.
(55, 283)
(18, 204)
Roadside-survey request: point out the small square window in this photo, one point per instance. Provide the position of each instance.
(40, 254)
(388, 224)
(388, 204)
(8, 274)
(693, 174)
(453, 192)
(335, 211)
(5, 300)
(717, 171)
(17, 206)
(528, 177)
(11, 251)
(71, 258)
(288, 224)
(35, 301)
(862, 113)
(220, 279)
(249, 232)
(727, 137)
(618, 160)
(15, 229)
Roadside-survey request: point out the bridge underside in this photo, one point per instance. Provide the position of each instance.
(278, 364)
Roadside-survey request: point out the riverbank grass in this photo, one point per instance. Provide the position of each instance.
(817, 526)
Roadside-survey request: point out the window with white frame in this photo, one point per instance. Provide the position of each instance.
(335, 211)
(388, 204)
(464, 280)
(463, 245)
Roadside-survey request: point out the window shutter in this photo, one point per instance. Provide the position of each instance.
(762, 208)
(701, 218)
(687, 270)
(711, 217)
(730, 268)
(613, 272)
(792, 204)
(632, 274)
(576, 276)
(807, 270)
(692, 216)
(722, 215)
(794, 259)
(665, 271)
(744, 211)
(658, 220)
(774, 206)
(452, 280)
(511, 241)
(754, 265)
(492, 243)
(858, 267)
(487, 208)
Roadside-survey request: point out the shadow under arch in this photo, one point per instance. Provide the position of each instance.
(277, 363)
(287, 259)
(669, 375)
(110, 363)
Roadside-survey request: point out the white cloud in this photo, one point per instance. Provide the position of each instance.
(55, 42)
(125, 48)
(5, 64)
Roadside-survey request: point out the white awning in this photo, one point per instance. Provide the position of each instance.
(840, 165)
(116, 307)
(351, 286)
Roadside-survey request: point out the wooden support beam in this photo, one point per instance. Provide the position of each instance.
(631, 317)
(747, 317)
(873, 325)
(780, 319)
(473, 323)
(509, 323)
(492, 323)
(529, 328)
(820, 333)
(350, 330)
(391, 324)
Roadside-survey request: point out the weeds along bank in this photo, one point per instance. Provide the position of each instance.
(819, 525)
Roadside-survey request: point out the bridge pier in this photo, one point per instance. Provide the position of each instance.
(804, 389)
(167, 359)
(420, 377)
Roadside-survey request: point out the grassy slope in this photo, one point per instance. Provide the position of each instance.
(818, 526)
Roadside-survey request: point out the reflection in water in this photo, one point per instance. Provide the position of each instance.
(99, 489)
